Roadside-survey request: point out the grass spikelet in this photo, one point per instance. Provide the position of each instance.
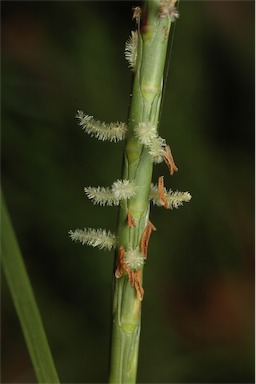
(174, 199)
(120, 190)
(134, 259)
(145, 133)
(124, 189)
(94, 237)
(101, 130)
(130, 52)
(102, 196)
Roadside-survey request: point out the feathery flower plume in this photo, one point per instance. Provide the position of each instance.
(146, 133)
(124, 189)
(174, 199)
(167, 8)
(120, 190)
(130, 52)
(102, 131)
(157, 149)
(95, 237)
(134, 259)
(101, 196)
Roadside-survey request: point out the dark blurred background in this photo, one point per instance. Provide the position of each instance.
(198, 310)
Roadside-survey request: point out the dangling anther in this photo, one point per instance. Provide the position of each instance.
(168, 158)
(162, 192)
(145, 238)
(138, 284)
(120, 265)
(130, 219)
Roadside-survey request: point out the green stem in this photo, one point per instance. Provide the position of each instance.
(25, 304)
(153, 33)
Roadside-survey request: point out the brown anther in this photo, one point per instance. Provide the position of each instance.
(130, 219)
(134, 277)
(162, 192)
(138, 284)
(120, 265)
(145, 238)
(130, 274)
(136, 13)
(168, 158)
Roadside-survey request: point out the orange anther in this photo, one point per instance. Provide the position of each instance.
(145, 238)
(168, 158)
(120, 265)
(162, 192)
(138, 284)
(130, 219)
(134, 277)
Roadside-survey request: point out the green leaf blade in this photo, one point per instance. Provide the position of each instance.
(24, 302)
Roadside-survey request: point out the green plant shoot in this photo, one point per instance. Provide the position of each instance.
(146, 54)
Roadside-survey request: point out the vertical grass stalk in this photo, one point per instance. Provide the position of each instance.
(146, 53)
(153, 27)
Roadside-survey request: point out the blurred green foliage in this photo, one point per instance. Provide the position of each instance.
(198, 310)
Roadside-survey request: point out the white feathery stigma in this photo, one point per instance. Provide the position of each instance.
(157, 149)
(167, 8)
(95, 237)
(120, 190)
(101, 196)
(146, 133)
(130, 52)
(102, 131)
(154, 195)
(124, 189)
(174, 199)
(134, 259)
